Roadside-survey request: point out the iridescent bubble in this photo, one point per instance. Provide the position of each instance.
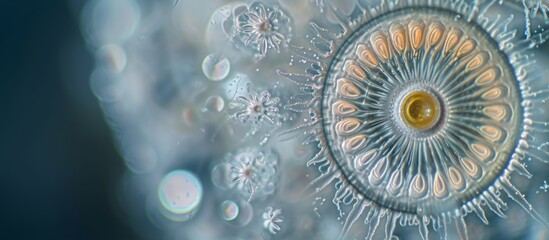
(112, 56)
(215, 104)
(220, 176)
(188, 116)
(109, 21)
(245, 214)
(216, 67)
(229, 210)
(180, 193)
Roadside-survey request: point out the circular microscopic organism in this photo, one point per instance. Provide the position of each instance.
(436, 132)
(422, 112)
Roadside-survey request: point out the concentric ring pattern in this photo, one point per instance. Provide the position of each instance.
(450, 76)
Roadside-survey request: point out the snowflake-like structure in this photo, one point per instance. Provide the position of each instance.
(272, 219)
(252, 172)
(256, 108)
(263, 28)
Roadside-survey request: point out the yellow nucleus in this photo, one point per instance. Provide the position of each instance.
(420, 110)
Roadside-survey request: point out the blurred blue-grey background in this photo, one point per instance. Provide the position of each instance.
(58, 162)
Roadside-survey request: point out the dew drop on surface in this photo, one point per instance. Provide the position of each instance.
(216, 67)
(229, 210)
(180, 192)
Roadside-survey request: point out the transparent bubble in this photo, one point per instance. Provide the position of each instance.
(107, 85)
(269, 188)
(180, 193)
(229, 210)
(188, 116)
(107, 21)
(244, 215)
(215, 104)
(220, 176)
(112, 56)
(219, 30)
(216, 67)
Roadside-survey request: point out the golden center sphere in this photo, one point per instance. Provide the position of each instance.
(420, 110)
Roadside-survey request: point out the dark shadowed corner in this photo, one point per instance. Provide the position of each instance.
(59, 164)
